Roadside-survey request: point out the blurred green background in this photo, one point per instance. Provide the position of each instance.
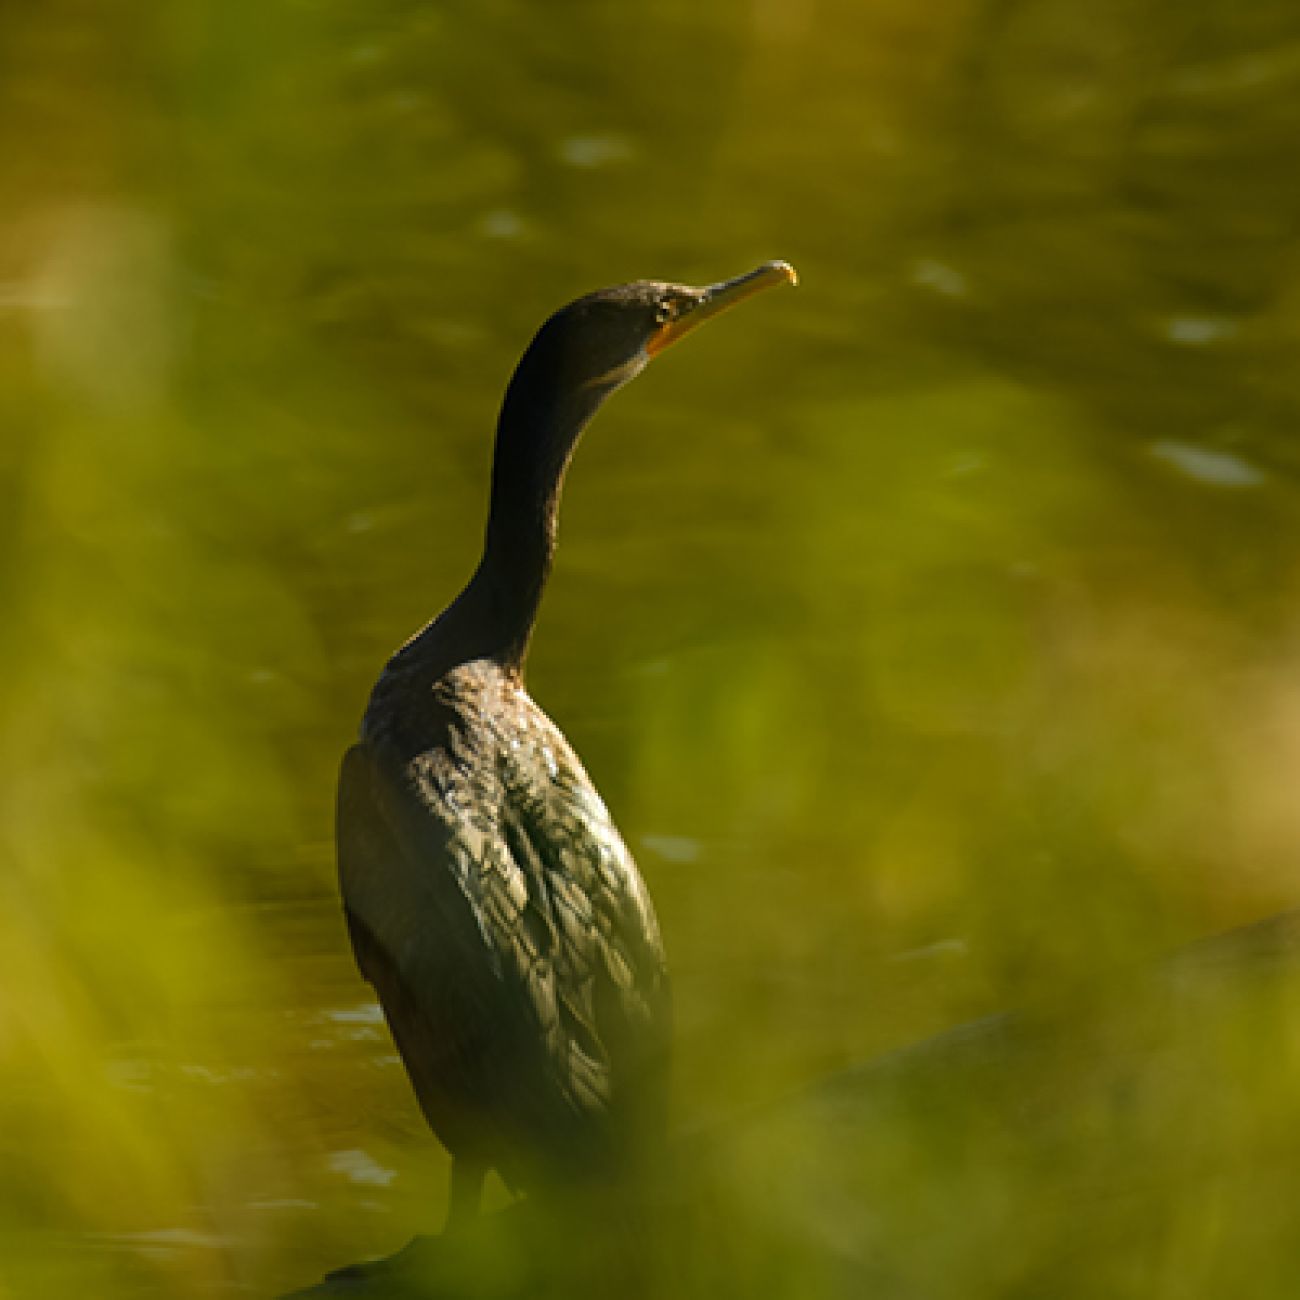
(932, 630)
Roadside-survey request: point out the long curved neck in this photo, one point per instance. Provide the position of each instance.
(540, 422)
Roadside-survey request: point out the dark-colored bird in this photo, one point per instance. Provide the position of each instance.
(488, 895)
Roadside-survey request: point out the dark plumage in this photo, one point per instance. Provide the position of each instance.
(488, 895)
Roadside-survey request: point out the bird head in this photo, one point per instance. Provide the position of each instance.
(600, 341)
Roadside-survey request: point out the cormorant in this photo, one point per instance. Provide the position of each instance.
(489, 898)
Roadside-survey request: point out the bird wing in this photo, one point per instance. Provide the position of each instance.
(460, 1027)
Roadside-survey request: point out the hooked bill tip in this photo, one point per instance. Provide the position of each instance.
(781, 267)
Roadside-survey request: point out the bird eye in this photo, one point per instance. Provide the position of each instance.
(664, 313)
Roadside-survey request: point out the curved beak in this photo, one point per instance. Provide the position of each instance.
(717, 298)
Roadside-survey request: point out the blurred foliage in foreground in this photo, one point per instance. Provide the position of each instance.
(932, 631)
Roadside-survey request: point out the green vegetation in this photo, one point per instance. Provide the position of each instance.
(932, 631)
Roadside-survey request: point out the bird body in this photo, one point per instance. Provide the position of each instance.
(489, 897)
(507, 930)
